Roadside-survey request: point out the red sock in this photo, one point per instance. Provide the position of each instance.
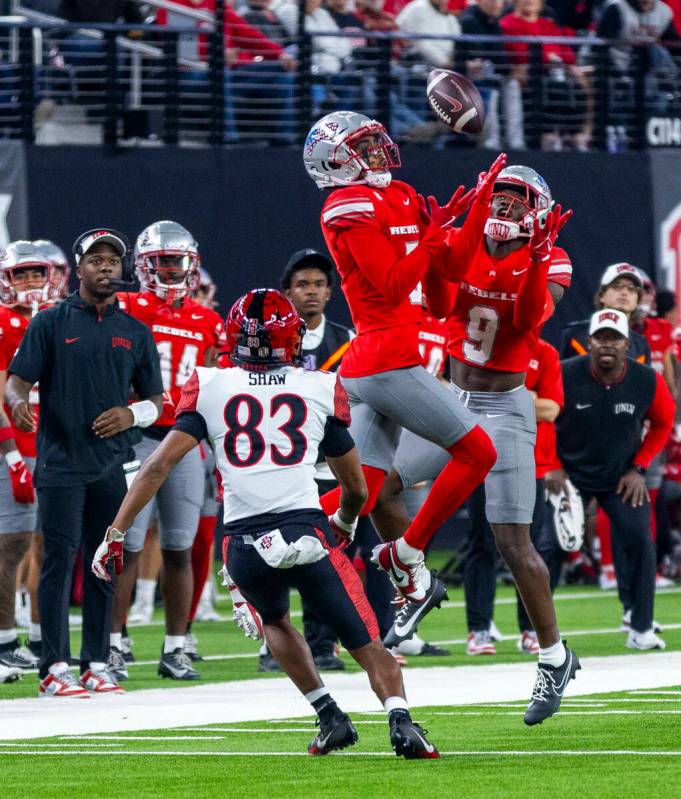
(472, 458)
(202, 554)
(375, 477)
(604, 534)
(653, 518)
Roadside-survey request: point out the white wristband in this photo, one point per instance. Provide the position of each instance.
(144, 413)
(13, 457)
(348, 527)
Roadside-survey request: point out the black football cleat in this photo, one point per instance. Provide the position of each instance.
(412, 614)
(549, 688)
(177, 666)
(338, 733)
(409, 740)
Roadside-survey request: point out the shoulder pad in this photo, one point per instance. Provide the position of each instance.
(349, 207)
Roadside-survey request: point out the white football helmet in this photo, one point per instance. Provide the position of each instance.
(568, 517)
(61, 269)
(19, 257)
(505, 222)
(160, 249)
(331, 158)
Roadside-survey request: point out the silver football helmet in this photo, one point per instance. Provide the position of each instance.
(61, 269)
(167, 260)
(331, 158)
(17, 288)
(512, 217)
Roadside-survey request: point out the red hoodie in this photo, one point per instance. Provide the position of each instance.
(512, 25)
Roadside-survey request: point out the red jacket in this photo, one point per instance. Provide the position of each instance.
(511, 25)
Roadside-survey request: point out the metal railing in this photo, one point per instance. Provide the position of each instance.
(136, 84)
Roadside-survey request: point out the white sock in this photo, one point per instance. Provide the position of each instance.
(7, 636)
(395, 703)
(407, 553)
(145, 591)
(173, 642)
(115, 639)
(96, 666)
(58, 668)
(318, 693)
(34, 632)
(553, 655)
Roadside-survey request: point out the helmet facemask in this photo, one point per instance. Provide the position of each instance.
(375, 160)
(520, 197)
(20, 290)
(170, 275)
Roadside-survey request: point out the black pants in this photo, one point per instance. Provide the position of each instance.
(71, 515)
(480, 574)
(633, 554)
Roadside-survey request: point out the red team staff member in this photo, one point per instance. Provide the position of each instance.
(513, 279)
(268, 417)
(384, 238)
(186, 335)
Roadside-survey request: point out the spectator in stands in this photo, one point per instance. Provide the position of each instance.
(566, 90)
(328, 52)
(102, 11)
(578, 16)
(651, 22)
(258, 14)
(487, 66)
(346, 19)
(431, 17)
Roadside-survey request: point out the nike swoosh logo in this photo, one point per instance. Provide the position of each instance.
(581, 407)
(566, 677)
(177, 672)
(71, 340)
(517, 272)
(197, 316)
(406, 202)
(494, 415)
(24, 478)
(456, 105)
(428, 747)
(655, 338)
(412, 621)
(398, 580)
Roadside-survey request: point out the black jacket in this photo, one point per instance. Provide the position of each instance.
(84, 364)
(575, 342)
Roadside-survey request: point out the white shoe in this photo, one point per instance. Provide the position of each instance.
(646, 640)
(495, 632)
(141, 613)
(660, 581)
(607, 580)
(9, 673)
(625, 626)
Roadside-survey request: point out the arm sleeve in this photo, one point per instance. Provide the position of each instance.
(440, 294)
(192, 423)
(661, 418)
(34, 351)
(147, 380)
(337, 440)
(393, 277)
(530, 304)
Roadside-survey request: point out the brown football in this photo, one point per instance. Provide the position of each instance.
(456, 101)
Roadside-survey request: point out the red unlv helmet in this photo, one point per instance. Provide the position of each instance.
(264, 331)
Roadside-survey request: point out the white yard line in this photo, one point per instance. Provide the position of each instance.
(253, 700)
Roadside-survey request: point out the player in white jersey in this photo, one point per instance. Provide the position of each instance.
(266, 418)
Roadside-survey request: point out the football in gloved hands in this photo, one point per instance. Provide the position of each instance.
(455, 101)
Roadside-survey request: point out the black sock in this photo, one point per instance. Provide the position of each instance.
(399, 713)
(124, 631)
(189, 628)
(326, 708)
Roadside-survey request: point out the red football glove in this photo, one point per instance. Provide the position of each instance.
(111, 548)
(343, 532)
(486, 180)
(545, 232)
(444, 216)
(22, 482)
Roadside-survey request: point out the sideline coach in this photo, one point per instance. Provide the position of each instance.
(86, 354)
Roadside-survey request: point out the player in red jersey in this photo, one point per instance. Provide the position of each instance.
(385, 238)
(187, 335)
(514, 277)
(25, 276)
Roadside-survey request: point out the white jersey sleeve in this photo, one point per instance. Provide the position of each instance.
(266, 428)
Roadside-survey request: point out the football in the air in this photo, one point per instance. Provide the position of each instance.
(456, 101)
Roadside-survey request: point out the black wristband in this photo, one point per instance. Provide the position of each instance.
(640, 469)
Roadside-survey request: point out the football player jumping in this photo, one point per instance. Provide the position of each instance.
(187, 334)
(495, 313)
(267, 417)
(385, 239)
(25, 281)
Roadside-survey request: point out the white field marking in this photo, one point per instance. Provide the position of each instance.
(142, 738)
(59, 745)
(307, 729)
(460, 753)
(567, 712)
(252, 700)
(661, 693)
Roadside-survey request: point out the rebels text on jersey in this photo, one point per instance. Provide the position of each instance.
(265, 428)
(482, 326)
(12, 329)
(182, 335)
(368, 232)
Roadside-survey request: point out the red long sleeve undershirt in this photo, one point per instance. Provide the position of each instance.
(661, 418)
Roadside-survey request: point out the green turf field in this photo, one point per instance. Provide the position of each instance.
(599, 746)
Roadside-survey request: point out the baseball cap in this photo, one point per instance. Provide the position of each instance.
(609, 318)
(623, 269)
(307, 259)
(101, 237)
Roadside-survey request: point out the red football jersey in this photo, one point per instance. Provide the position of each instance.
(672, 466)
(545, 378)
(12, 329)
(660, 337)
(481, 326)
(182, 336)
(433, 343)
(387, 329)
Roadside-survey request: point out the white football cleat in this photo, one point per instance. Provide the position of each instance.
(645, 641)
